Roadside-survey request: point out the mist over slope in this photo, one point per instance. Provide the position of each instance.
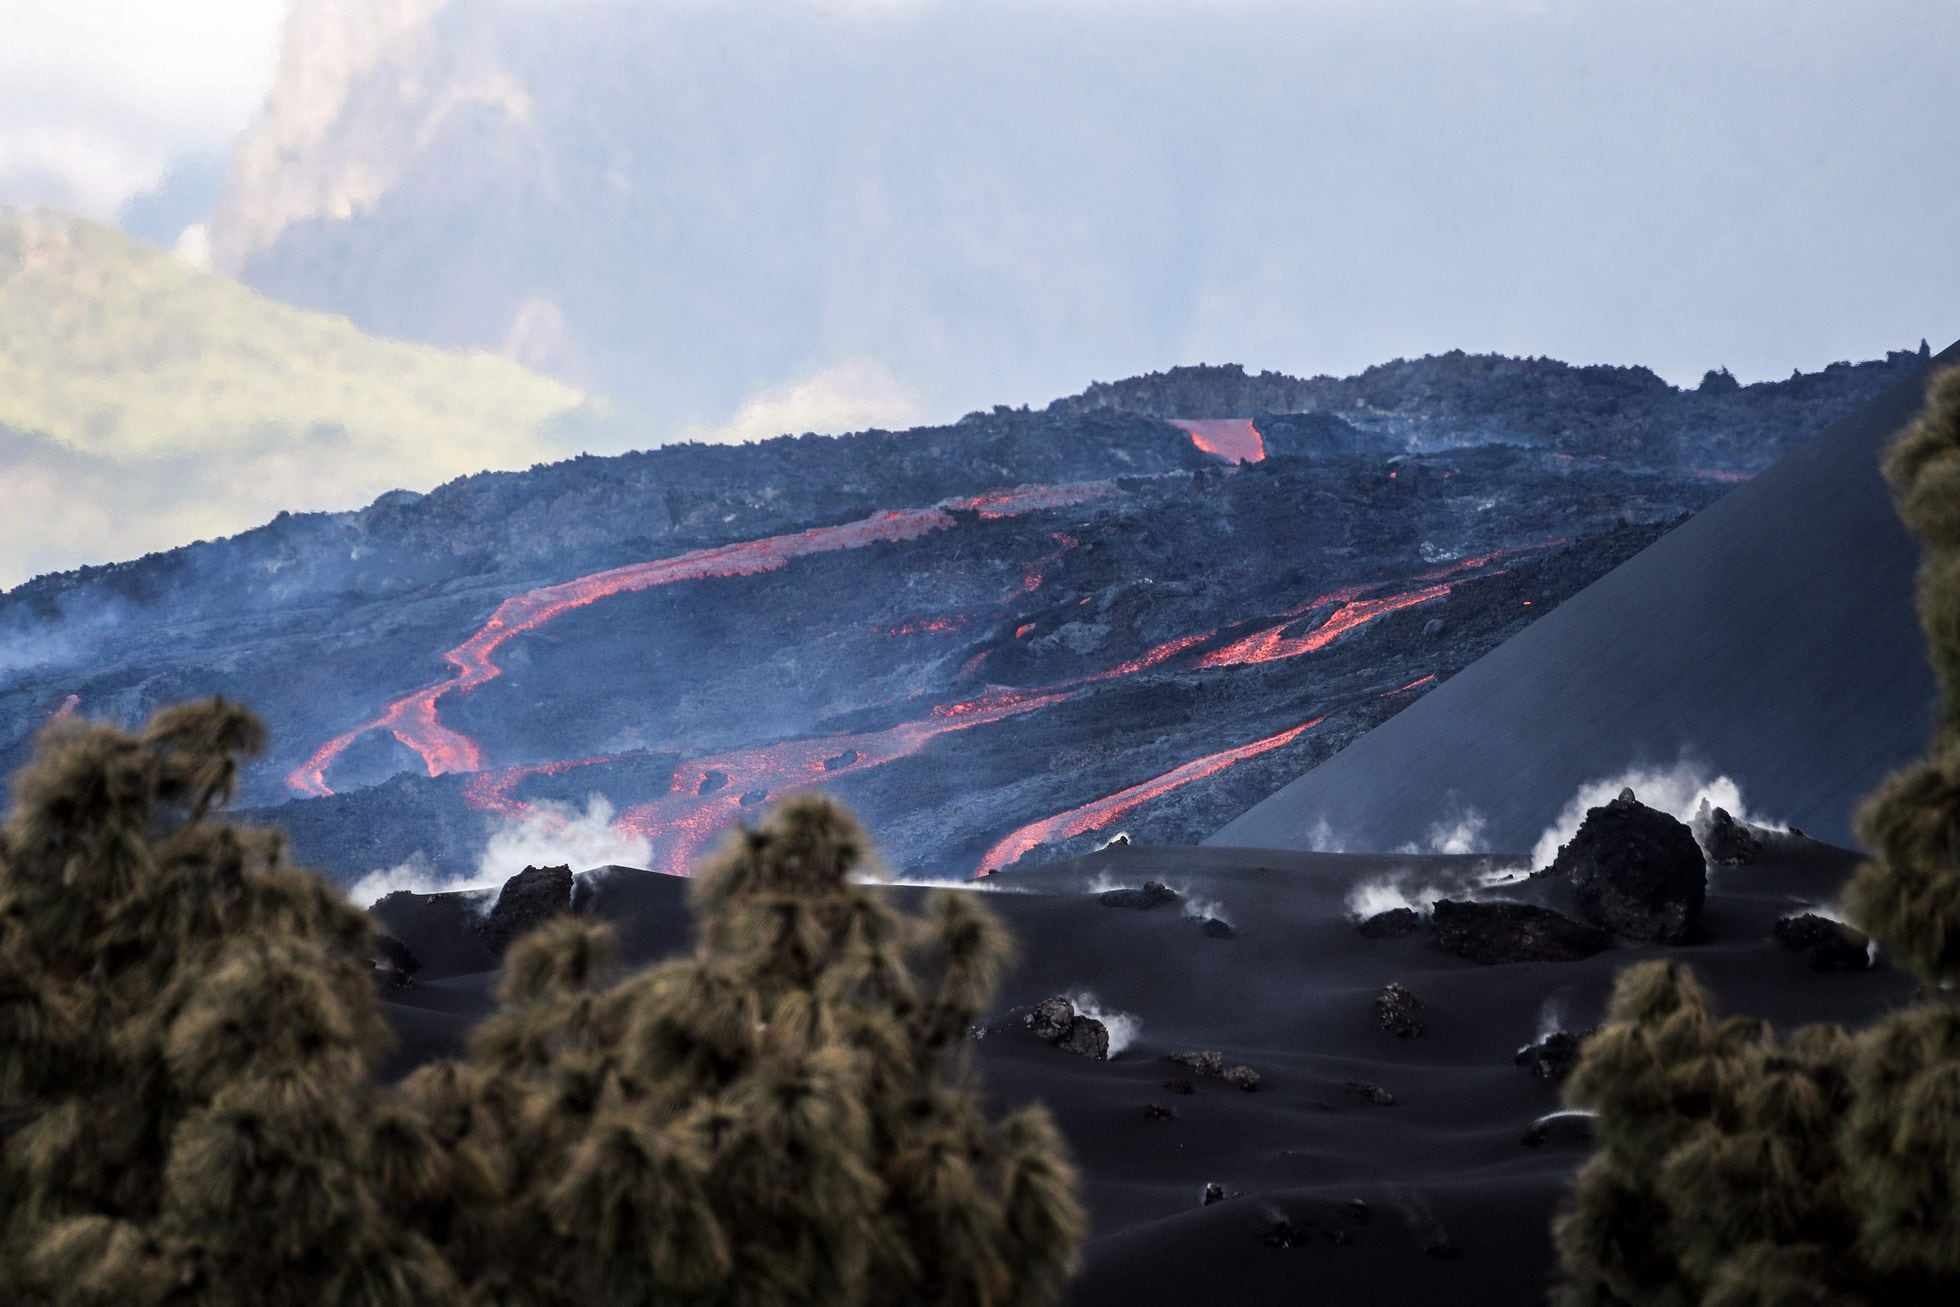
(145, 403)
(999, 640)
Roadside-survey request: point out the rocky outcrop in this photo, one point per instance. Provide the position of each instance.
(1153, 894)
(1726, 841)
(394, 965)
(1496, 933)
(1211, 1062)
(527, 899)
(1634, 871)
(1373, 1093)
(1055, 1021)
(1828, 945)
(1206, 1062)
(1399, 1011)
(1553, 1057)
(1392, 924)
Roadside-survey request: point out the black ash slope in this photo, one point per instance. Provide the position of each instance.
(1456, 1203)
(1773, 637)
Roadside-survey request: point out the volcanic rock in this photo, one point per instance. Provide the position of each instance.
(526, 900)
(1373, 1093)
(394, 965)
(1553, 1057)
(1086, 1037)
(1158, 1112)
(1572, 1129)
(1494, 933)
(1214, 1193)
(1217, 929)
(1179, 1086)
(1399, 1011)
(1240, 1077)
(1727, 842)
(1055, 1021)
(1635, 871)
(1206, 1062)
(1391, 924)
(1832, 945)
(1153, 893)
(1051, 1019)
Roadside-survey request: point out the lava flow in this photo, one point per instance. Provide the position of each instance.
(413, 720)
(1101, 812)
(682, 822)
(1272, 643)
(1235, 440)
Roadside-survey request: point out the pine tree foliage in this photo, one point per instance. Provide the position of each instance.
(1739, 1169)
(783, 1116)
(188, 1115)
(187, 1028)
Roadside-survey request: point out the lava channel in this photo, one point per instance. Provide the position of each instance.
(1101, 812)
(413, 719)
(1236, 440)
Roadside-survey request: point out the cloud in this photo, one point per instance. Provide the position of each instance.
(555, 834)
(417, 875)
(849, 396)
(97, 97)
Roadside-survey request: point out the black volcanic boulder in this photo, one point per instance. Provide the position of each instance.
(1553, 1057)
(1399, 1011)
(1055, 1021)
(1152, 894)
(394, 965)
(1831, 945)
(1728, 842)
(1050, 1019)
(526, 900)
(1391, 924)
(1494, 933)
(1635, 871)
(1206, 1061)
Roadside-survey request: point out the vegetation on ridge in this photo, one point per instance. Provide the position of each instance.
(188, 1114)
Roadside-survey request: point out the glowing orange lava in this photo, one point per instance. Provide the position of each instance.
(1236, 440)
(413, 719)
(682, 822)
(930, 625)
(1101, 812)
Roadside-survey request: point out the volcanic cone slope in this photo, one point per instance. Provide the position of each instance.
(1772, 639)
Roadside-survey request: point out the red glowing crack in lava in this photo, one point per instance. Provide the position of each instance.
(1236, 440)
(413, 720)
(1100, 812)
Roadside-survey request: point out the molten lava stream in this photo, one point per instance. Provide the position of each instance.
(1236, 440)
(1101, 812)
(413, 719)
(682, 822)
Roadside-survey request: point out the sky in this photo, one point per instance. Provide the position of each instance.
(99, 97)
(1742, 148)
(1304, 185)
